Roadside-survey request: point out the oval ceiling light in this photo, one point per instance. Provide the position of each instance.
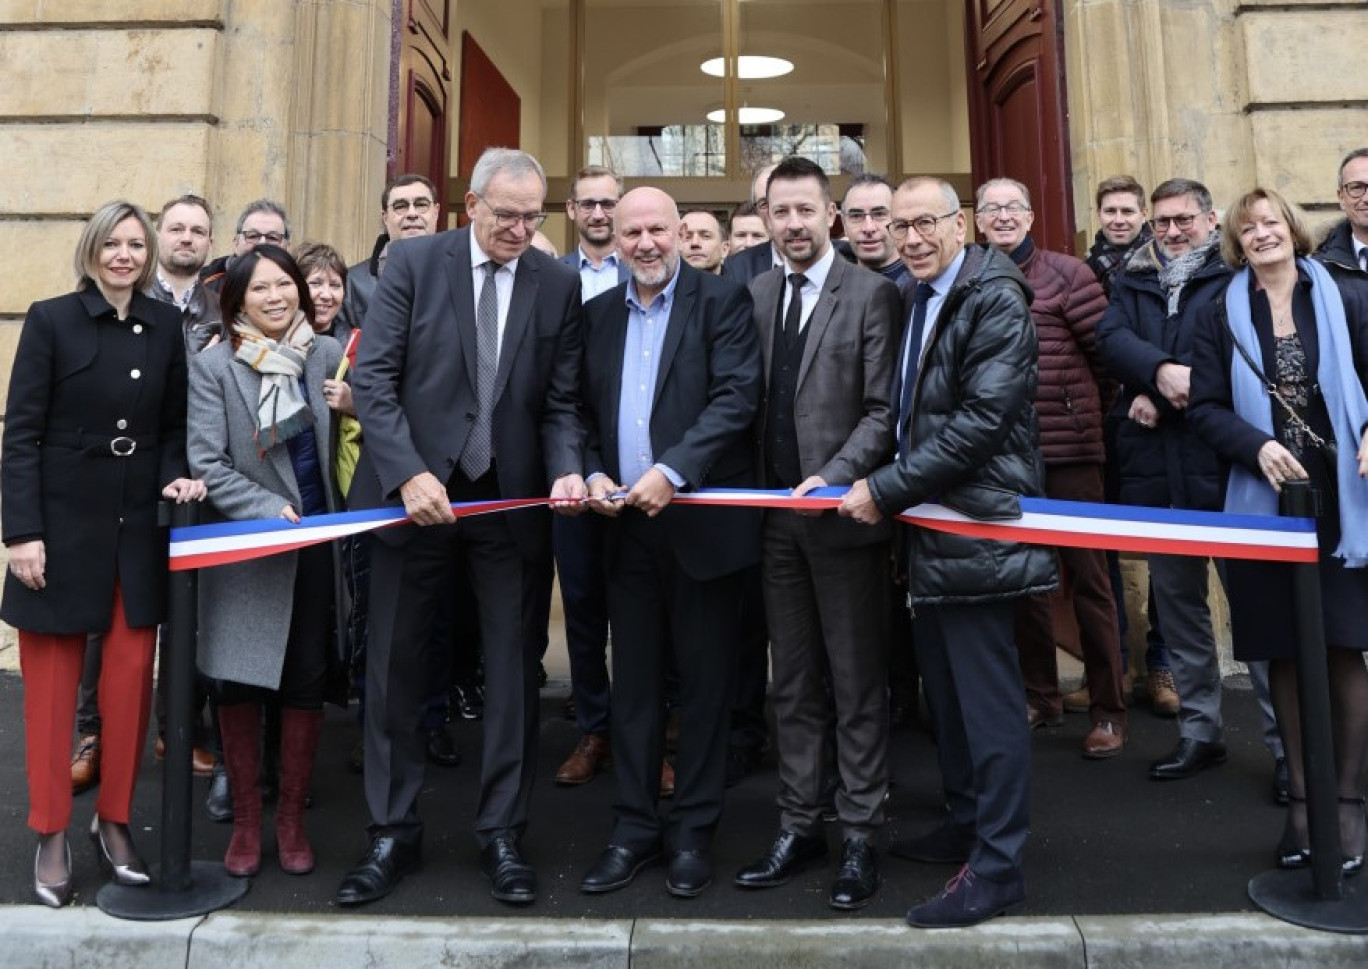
(750, 67)
(748, 115)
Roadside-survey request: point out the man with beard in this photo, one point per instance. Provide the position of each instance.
(670, 383)
(704, 247)
(408, 210)
(185, 234)
(1146, 341)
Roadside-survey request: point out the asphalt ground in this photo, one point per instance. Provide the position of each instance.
(1106, 840)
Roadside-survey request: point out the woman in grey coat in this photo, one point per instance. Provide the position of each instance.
(259, 435)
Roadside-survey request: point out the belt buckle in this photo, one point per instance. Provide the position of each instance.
(117, 444)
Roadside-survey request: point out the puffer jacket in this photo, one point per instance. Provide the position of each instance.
(971, 435)
(1072, 382)
(1336, 254)
(1168, 466)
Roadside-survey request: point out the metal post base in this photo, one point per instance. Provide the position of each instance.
(210, 889)
(1291, 896)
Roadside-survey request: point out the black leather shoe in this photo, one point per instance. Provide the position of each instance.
(468, 699)
(511, 879)
(386, 863)
(969, 899)
(689, 873)
(218, 803)
(1281, 788)
(946, 845)
(441, 747)
(790, 854)
(616, 868)
(858, 877)
(1187, 759)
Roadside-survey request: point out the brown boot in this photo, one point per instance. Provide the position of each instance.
(85, 764)
(299, 731)
(1163, 694)
(593, 753)
(240, 729)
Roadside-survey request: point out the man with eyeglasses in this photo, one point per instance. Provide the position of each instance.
(866, 212)
(745, 266)
(1070, 391)
(1146, 341)
(408, 210)
(262, 222)
(1345, 249)
(963, 388)
(466, 383)
(578, 540)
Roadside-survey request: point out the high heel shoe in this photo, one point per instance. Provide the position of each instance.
(52, 894)
(1290, 855)
(1351, 865)
(131, 872)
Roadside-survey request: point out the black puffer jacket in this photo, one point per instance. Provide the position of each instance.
(1168, 466)
(972, 439)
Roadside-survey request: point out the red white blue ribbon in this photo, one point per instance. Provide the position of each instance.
(1043, 521)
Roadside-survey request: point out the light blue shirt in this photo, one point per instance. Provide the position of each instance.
(941, 284)
(597, 279)
(646, 326)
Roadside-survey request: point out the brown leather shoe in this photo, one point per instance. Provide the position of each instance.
(85, 764)
(1106, 739)
(1163, 693)
(201, 761)
(667, 779)
(592, 754)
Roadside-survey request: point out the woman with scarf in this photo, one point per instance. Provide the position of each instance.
(1278, 379)
(260, 436)
(94, 435)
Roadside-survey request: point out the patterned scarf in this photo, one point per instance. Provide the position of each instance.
(1105, 257)
(1175, 273)
(282, 411)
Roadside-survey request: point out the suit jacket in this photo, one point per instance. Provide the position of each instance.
(415, 383)
(842, 411)
(749, 263)
(82, 378)
(245, 608)
(706, 394)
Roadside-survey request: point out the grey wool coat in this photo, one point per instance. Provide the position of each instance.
(245, 608)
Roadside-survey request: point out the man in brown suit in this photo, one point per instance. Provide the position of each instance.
(827, 333)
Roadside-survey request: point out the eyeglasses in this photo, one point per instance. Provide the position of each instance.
(401, 206)
(925, 225)
(1183, 222)
(860, 216)
(1011, 209)
(587, 206)
(507, 220)
(255, 238)
(1354, 190)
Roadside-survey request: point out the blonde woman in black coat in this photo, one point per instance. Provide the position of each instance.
(94, 437)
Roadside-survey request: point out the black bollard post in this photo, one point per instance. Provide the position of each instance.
(1320, 899)
(180, 888)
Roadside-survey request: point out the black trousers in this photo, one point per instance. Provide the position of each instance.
(656, 609)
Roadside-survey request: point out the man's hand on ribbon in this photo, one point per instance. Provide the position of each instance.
(568, 494)
(858, 504)
(426, 501)
(604, 496)
(651, 493)
(814, 482)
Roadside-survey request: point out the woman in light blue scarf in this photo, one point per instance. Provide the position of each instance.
(1302, 415)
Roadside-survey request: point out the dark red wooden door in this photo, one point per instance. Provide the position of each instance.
(424, 93)
(1018, 115)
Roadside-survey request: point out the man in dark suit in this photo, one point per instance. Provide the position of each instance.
(671, 380)
(466, 383)
(826, 331)
(751, 262)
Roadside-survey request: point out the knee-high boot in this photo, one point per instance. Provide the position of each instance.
(240, 728)
(299, 730)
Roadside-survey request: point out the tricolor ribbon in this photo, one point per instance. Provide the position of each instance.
(1043, 521)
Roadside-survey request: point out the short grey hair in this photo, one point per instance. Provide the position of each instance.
(1002, 183)
(508, 161)
(98, 229)
(947, 190)
(263, 205)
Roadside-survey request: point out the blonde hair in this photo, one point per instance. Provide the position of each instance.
(99, 228)
(1231, 250)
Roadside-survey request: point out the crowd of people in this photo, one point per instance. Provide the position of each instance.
(1192, 361)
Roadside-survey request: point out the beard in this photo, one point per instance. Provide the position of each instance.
(183, 261)
(655, 275)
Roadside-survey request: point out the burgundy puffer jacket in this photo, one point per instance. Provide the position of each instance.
(1072, 384)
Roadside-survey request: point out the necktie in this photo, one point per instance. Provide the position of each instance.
(793, 316)
(479, 448)
(914, 342)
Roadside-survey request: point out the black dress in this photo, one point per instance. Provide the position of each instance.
(1263, 623)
